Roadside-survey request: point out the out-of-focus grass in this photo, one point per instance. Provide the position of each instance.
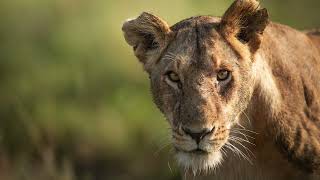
(74, 102)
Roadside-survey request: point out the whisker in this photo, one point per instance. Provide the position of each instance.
(246, 148)
(240, 139)
(240, 152)
(162, 143)
(232, 150)
(247, 117)
(169, 167)
(246, 130)
(223, 151)
(241, 125)
(245, 135)
(156, 153)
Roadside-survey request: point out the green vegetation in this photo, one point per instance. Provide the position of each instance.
(74, 102)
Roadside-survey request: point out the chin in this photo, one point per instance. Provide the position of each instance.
(199, 163)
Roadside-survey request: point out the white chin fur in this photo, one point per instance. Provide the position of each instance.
(199, 163)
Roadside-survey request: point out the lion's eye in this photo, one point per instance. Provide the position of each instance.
(223, 75)
(172, 76)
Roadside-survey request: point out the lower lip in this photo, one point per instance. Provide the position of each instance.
(199, 151)
(196, 151)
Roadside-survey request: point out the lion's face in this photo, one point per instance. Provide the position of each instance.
(201, 80)
(201, 86)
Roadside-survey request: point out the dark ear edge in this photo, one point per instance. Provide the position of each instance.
(245, 21)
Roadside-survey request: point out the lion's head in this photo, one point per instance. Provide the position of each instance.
(201, 75)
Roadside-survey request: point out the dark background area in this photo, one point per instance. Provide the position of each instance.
(75, 103)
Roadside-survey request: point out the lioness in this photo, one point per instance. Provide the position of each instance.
(241, 94)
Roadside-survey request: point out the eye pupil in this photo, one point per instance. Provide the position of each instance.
(223, 75)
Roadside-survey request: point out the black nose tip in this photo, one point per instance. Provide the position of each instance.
(197, 136)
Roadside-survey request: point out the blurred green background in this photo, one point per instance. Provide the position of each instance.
(75, 103)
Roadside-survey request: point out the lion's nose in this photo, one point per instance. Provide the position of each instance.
(199, 135)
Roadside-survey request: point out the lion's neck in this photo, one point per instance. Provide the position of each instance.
(266, 91)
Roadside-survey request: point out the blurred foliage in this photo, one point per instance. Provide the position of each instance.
(74, 102)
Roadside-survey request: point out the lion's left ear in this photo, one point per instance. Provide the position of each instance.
(148, 35)
(245, 21)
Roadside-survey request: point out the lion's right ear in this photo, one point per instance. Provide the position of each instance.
(245, 21)
(148, 35)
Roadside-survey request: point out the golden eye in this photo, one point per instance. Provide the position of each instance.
(173, 76)
(223, 75)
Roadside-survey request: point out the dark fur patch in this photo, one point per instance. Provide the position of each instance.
(312, 117)
(308, 95)
(303, 162)
(149, 41)
(198, 39)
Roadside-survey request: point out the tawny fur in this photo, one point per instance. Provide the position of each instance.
(269, 109)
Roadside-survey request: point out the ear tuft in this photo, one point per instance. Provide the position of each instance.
(245, 21)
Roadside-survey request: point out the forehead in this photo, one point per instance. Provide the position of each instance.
(198, 42)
